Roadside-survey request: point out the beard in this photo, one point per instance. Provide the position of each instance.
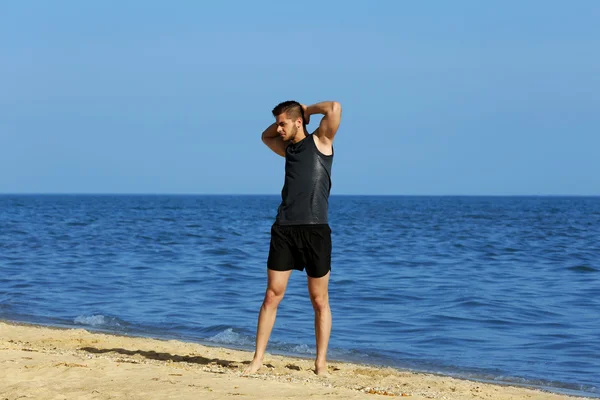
(293, 133)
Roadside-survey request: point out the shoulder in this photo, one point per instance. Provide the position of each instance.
(323, 144)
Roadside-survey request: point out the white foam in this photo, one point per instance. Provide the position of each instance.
(93, 320)
(228, 336)
(303, 349)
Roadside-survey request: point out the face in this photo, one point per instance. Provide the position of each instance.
(286, 127)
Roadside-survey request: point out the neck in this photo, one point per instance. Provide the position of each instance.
(300, 135)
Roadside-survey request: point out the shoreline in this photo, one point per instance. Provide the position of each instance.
(92, 364)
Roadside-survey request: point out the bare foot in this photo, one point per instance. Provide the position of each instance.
(253, 367)
(321, 369)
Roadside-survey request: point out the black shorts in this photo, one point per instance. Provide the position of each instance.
(299, 247)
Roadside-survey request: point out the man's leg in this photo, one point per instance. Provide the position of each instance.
(318, 289)
(276, 285)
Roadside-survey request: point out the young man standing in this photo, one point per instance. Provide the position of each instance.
(301, 236)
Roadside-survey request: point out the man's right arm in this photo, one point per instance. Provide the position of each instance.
(271, 138)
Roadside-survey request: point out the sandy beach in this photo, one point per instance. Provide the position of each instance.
(51, 363)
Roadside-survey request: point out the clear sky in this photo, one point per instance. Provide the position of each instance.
(449, 97)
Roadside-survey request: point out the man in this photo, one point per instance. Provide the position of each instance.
(300, 236)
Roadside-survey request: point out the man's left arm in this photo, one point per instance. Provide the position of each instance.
(332, 111)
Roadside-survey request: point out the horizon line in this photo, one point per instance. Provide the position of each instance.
(279, 194)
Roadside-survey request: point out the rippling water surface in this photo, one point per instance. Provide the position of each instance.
(494, 288)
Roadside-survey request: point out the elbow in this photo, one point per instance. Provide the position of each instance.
(265, 139)
(336, 107)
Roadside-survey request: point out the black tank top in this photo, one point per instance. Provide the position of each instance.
(305, 193)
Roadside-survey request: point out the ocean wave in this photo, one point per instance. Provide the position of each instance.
(99, 321)
(229, 336)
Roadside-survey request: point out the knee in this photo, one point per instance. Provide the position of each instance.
(320, 302)
(272, 299)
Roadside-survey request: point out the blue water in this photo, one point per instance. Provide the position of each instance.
(494, 288)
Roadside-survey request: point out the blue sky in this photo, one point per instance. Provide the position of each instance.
(454, 97)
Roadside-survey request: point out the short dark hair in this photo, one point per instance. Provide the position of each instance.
(292, 108)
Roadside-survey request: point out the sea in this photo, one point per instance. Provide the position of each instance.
(500, 289)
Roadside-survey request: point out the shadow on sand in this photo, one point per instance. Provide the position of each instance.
(153, 355)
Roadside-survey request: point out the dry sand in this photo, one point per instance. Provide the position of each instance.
(50, 363)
